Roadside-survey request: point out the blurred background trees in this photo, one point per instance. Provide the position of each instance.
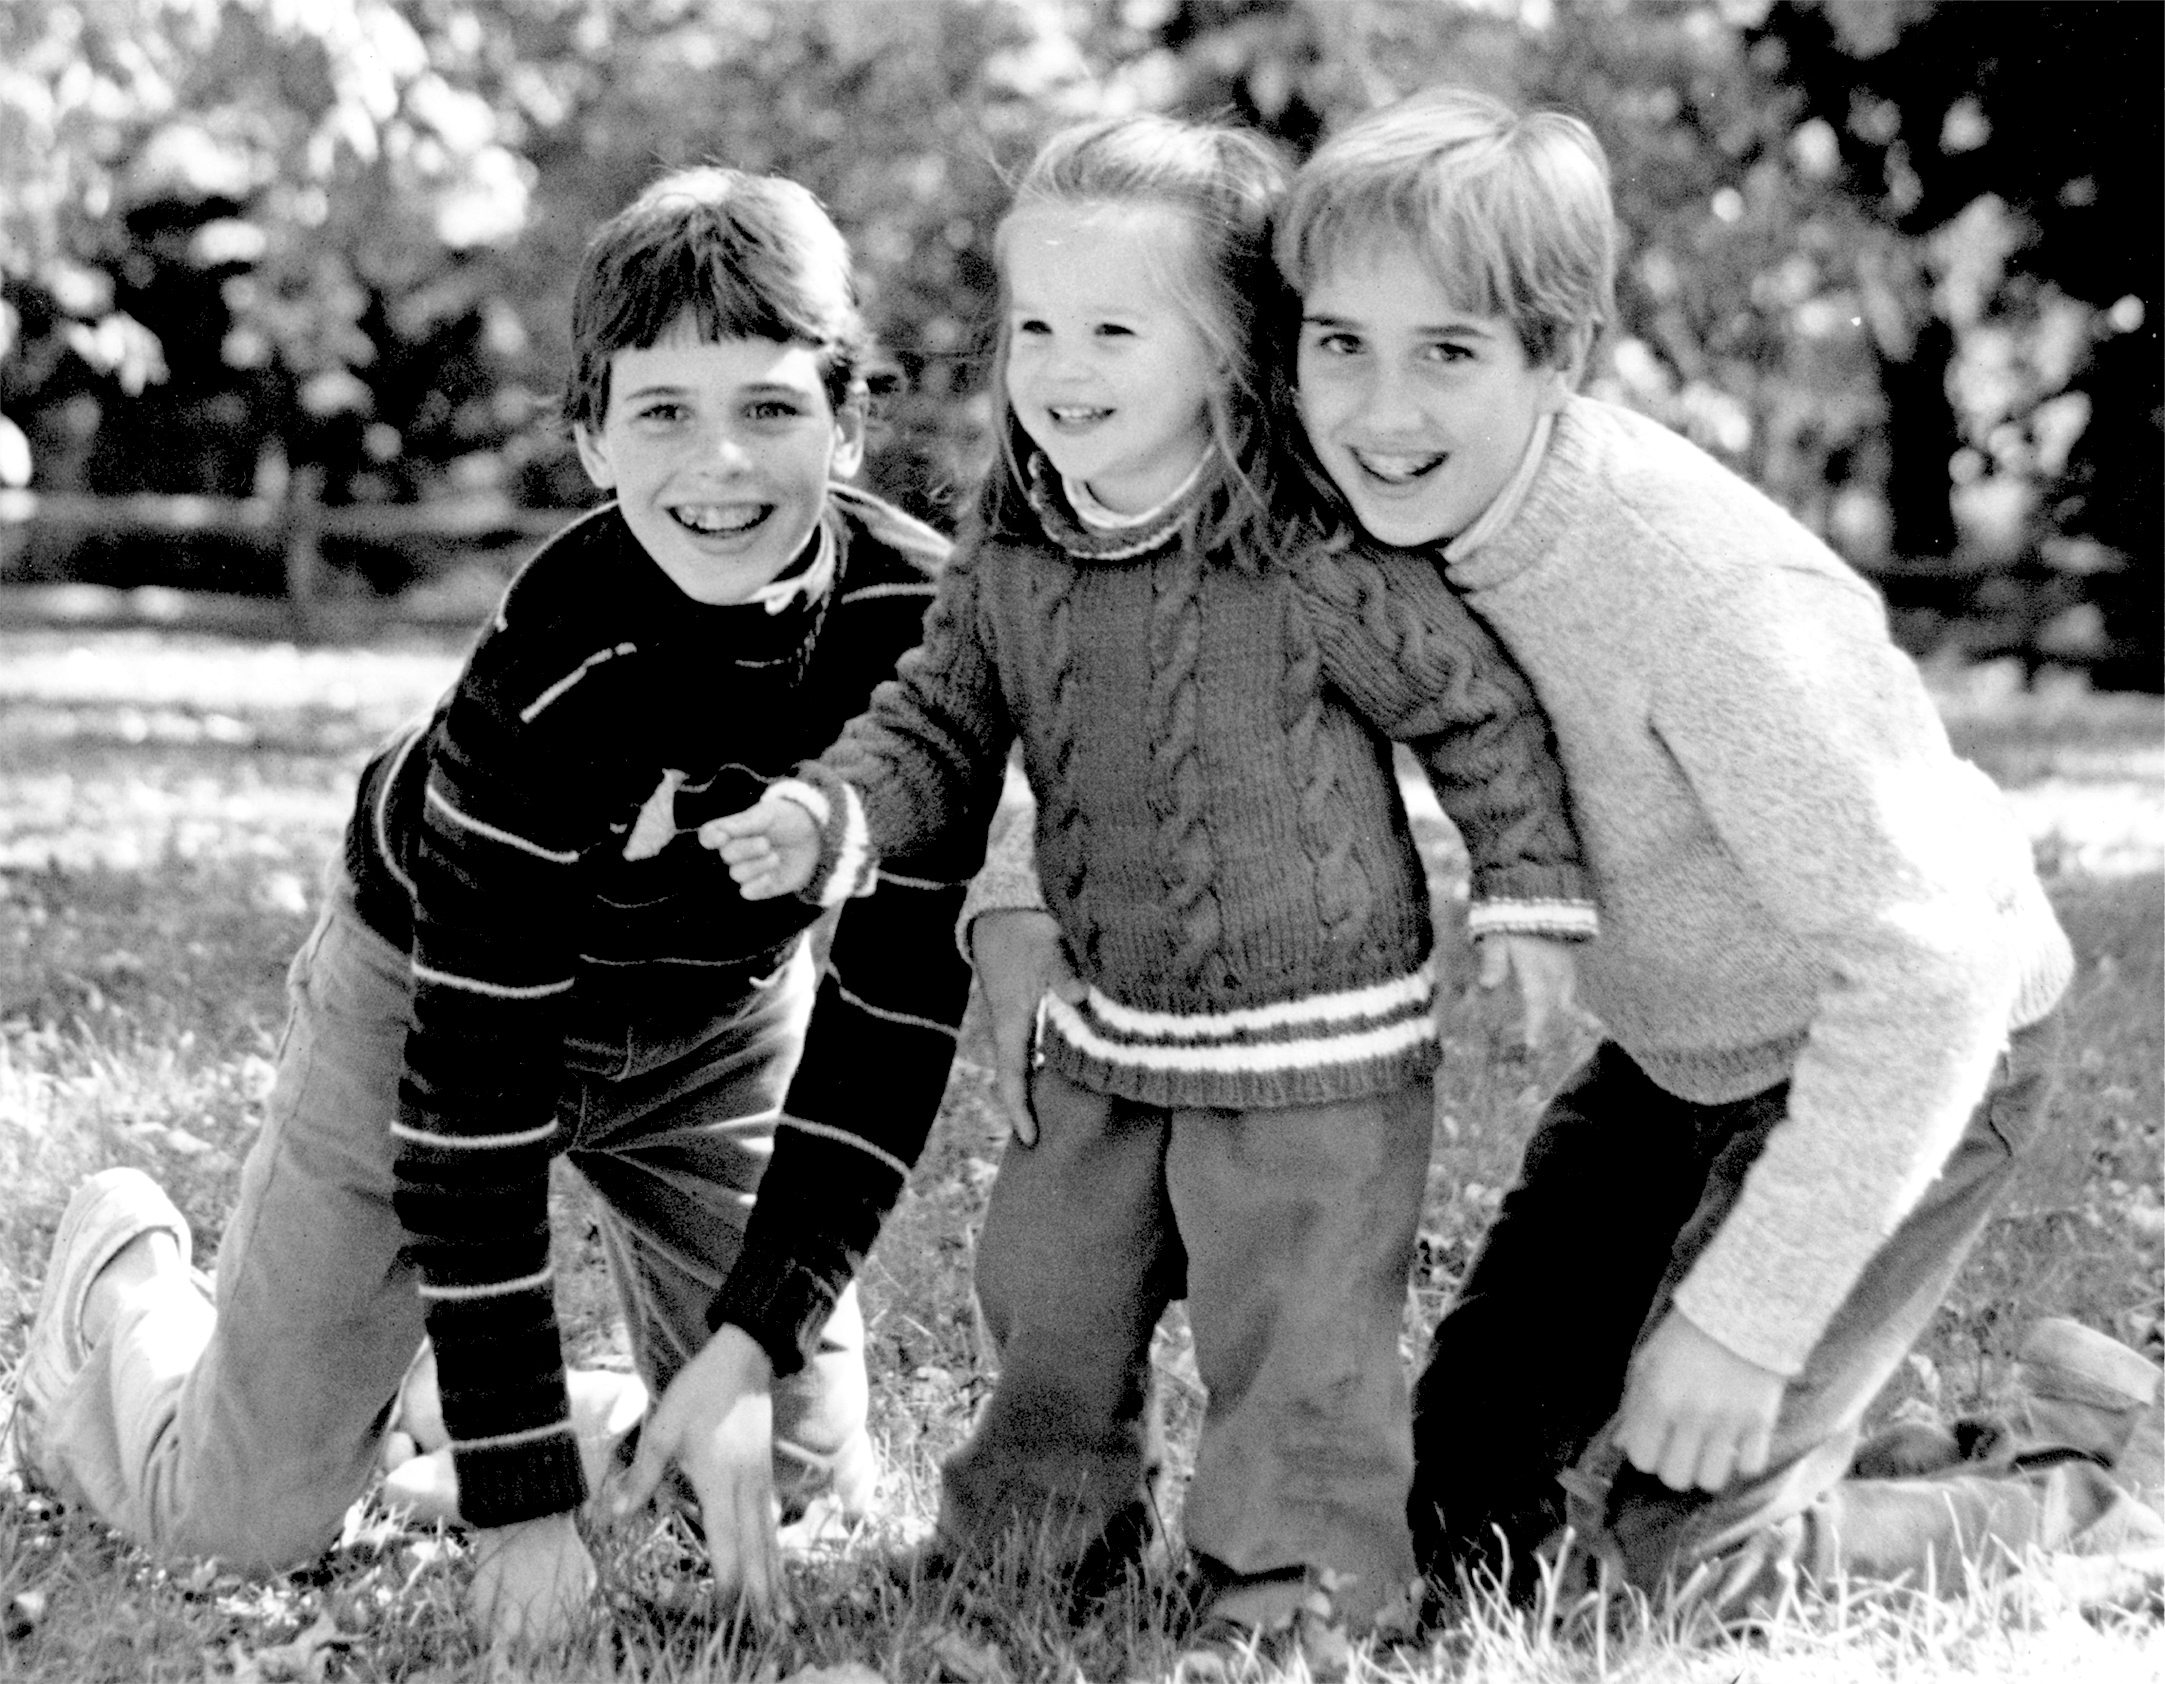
(1898, 261)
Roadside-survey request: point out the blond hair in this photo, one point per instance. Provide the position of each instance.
(1511, 212)
(1220, 185)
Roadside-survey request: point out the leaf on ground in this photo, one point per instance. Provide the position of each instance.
(969, 1660)
(25, 1613)
(302, 1661)
(847, 1672)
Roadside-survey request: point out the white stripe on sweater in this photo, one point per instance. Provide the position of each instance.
(1355, 1048)
(532, 710)
(1569, 919)
(496, 990)
(1378, 1000)
(908, 1020)
(481, 827)
(504, 1441)
(827, 1131)
(473, 1142)
(491, 1289)
(383, 810)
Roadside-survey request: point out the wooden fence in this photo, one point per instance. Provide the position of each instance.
(297, 524)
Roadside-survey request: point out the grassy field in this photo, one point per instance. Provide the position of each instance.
(166, 806)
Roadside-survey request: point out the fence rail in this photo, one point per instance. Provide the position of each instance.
(298, 523)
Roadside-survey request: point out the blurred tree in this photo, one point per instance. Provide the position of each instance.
(1861, 256)
(2016, 149)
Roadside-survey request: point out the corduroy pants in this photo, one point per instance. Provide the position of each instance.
(1290, 1233)
(244, 1425)
(1622, 1187)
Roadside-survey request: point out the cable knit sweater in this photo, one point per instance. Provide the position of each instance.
(1218, 828)
(1798, 879)
(531, 845)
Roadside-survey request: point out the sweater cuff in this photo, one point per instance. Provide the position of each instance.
(1564, 920)
(846, 867)
(503, 1484)
(779, 1301)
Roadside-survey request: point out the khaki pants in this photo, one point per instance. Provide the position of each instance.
(1290, 1233)
(244, 1426)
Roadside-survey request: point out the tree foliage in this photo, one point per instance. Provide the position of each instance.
(1873, 256)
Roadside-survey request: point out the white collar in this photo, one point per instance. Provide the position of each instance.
(1098, 518)
(811, 584)
(1505, 503)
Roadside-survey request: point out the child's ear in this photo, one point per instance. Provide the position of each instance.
(593, 457)
(849, 430)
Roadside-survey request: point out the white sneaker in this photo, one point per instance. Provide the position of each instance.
(108, 1211)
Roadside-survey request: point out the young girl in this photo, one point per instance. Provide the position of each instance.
(1238, 1107)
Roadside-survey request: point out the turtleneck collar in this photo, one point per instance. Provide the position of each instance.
(1089, 531)
(1506, 503)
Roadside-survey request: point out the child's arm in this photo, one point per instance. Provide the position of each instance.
(917, 775)
(1416, 664)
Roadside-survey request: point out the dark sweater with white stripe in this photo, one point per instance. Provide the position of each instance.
(533, 846)
(1219, 830)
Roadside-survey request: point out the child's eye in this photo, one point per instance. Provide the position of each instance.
(659, 412)
(1114, 330)
(1449, 351)
(1031, 327)
(773, 409)
(1336, 343)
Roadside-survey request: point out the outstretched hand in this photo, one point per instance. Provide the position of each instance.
(1548, 980)
(771, 848)
(716, 1422)
(1695, 1413)
(1020, 959)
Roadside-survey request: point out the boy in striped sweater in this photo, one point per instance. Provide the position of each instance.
(526, 954)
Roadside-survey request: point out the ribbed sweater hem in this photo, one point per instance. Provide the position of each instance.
(1244, 1090)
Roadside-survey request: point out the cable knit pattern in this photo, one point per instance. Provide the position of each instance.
(1152, 692)
(1176, 774)
(1799, 880)
(1344, 896)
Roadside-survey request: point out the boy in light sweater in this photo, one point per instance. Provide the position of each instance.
(1826, 969)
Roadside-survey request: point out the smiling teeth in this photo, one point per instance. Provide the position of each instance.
(1396, 469)
(1071, 412)
(719, 517)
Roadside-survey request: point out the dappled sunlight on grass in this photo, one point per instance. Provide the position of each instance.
(166, 806)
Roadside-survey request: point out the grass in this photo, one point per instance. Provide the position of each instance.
(166, 806)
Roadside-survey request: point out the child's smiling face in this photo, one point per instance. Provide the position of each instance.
(1419, 410)
(719, 452)
(1105, 369)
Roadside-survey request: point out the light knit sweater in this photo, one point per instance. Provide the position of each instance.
(1798, 879)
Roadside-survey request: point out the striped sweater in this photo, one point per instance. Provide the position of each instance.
(1218, 828)
(532, 845)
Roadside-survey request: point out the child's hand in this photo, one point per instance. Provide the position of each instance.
(532, 1582)
(1695, 1413)
(716, 1422)
(771, 849)
(1019, 959)
(1548, 978)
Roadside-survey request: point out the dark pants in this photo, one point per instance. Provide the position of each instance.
(1622, 1188)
